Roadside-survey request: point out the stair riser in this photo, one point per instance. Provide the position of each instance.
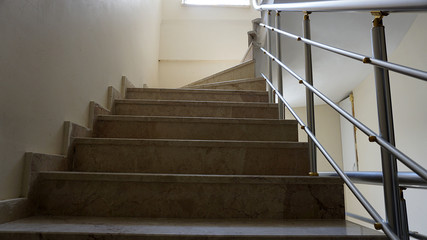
(195, 130)
(202, 110)
(189, 200)
(190, 158)
(255, 86)
(198, 96)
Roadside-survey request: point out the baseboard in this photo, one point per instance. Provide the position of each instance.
(14, 209)
(37, 162)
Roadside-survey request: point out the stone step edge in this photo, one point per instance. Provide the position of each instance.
(186, 143)
(228, 82)
(198, 91)
(132, 118)
(170, 228)
(186, 178)
(195, 103)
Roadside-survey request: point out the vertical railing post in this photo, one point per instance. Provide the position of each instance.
(385, 119)
(269, 65)
(309, 96)
(279, 68)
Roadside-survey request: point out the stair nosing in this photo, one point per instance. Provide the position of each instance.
(134, 118)
(186, 142)
(201, 91)
(185, 178)
(178, 102)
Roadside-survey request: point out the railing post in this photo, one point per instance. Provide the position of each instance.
(309, 96)
(271, 96)
(385, 118)
(279, 68)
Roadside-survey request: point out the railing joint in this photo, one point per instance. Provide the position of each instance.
(378, 226)
(366, 60)
(313, 174)
(372, 138)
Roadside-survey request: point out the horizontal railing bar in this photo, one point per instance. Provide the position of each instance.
(417, 235)
(406, 179)
(367, 60)
(373, 137)
(347, 5)
(374, 214)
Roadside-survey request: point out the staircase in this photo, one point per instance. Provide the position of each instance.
(209, 161)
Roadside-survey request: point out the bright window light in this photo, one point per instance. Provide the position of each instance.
(216, 2)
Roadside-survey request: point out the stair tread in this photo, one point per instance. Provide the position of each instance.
(200, 91)
(210, 143)
(193, 119)
(190, 102)
(187, 178)
(252, 228)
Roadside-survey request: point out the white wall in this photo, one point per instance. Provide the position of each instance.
(58, 55)
(198, 41)
(409, 97)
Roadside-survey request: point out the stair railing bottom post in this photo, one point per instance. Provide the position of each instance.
(309, 96)
(385, 120)
(279, 68)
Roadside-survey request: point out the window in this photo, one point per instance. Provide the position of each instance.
(217, 2)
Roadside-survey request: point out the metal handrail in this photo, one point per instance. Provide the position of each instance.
(369, 208)
(356, 56)
(406, 179)
(373, 137)
(346, 5)
(396, 225)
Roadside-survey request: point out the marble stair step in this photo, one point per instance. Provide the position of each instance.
(195, 109)
(187, 196)
(255, 84)
(83, 228)
(190, 156)
(117, 126)
(197, 95)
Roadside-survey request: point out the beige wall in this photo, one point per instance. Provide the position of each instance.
(328, 132)
(201, 40)
(58, 55)
(409, 98)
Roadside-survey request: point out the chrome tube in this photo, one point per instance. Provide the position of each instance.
(386, 127)
(373, 137)
(374, 214)
(367, 60)
(346, 5)
(269, 64)
(309, 96)
(279, 69)
(406, 179)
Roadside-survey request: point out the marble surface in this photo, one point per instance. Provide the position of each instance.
(139, 228)
(113, 126)
(190, 156)
(257, 84)
(13, 209)
(197, 95)
(37, 162)
(195, 109)
(192, 196)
